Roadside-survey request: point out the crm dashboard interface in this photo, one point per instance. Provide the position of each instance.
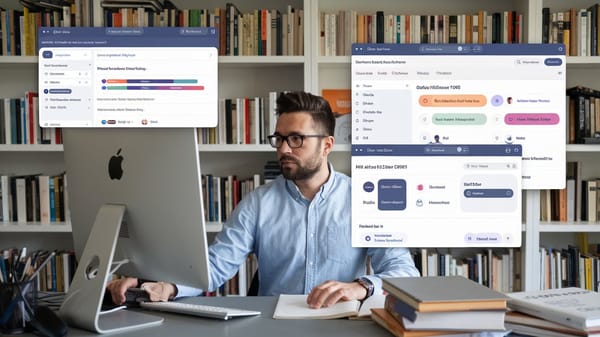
(436, 195)
(128, 77)
(465, 94)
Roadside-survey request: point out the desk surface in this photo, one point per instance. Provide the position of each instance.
(257, 326)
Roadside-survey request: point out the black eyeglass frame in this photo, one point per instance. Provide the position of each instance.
(276, 140)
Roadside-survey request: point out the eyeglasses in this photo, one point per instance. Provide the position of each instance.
(294, 141)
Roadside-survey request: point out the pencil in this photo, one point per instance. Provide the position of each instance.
(41, 266)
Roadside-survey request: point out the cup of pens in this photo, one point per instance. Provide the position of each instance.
(17, 301)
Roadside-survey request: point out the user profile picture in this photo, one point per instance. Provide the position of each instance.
(509, 100)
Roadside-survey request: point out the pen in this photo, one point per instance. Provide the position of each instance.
(25, 271)
(3, 277)
(34, 275)
(20, 264)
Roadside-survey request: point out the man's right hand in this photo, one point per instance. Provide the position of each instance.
(118, 288)
(157, 291)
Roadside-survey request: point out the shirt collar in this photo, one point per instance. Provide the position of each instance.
(324, 191)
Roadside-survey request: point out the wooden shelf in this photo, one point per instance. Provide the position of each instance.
(561, 227)
(34, 227)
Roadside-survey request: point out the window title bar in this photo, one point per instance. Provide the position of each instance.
(442, 150)
(78, 37)
(457, 49)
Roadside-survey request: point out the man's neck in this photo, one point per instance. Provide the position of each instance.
(310, 187)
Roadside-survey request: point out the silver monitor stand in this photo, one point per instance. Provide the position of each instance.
(82, 304)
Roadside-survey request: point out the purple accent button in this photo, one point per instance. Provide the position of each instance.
(532, 119)
(496, 100)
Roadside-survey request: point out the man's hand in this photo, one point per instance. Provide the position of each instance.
(118, 288)
(331, 292)
(157, 291)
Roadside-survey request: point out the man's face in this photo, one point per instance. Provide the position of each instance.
(303, 162)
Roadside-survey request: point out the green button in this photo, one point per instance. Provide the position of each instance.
(459, 119)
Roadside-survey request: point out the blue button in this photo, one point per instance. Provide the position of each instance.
(552, 61)
(488, 193)
(60, 91)
(47, 54)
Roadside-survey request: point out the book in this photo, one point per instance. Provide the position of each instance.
(341, 106)
(449, 293)
(388, 322)
(574, 307)
(471, 320)
(526, 330)
(523, 323)
(295, 307)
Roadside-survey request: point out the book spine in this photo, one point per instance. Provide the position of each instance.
(396, 307)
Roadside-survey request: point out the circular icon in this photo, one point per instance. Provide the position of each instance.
(367, 238)
(419, 203)
(420, 187)
(368, 187)
(508, 139)
(497, 100)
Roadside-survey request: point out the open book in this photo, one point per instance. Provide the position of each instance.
(295, 307)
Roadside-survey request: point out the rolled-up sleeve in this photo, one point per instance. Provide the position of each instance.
(390, 262)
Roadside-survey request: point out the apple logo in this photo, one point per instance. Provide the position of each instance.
(115, 171)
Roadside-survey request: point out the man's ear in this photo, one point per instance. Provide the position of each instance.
(328, 144)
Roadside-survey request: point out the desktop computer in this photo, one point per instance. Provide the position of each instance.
(129, 100)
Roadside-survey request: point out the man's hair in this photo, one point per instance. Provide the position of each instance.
(316, 106)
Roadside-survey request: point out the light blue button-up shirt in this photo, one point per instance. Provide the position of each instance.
(299, 243)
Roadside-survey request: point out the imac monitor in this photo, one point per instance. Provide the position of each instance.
(129, 100)
(154, 176)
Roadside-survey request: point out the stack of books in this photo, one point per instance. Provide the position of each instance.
(555, 313)
(439, 306)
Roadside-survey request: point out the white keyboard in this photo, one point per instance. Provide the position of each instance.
(198, 309)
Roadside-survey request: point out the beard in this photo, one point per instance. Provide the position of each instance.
(297, 171)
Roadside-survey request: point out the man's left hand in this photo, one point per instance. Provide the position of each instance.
(331, 292)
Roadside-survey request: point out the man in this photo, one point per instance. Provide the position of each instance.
(298, 226)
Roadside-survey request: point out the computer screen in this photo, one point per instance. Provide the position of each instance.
(128, 76)
(436, 195)
(465, 94)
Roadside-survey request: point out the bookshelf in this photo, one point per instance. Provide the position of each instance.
(249, 76)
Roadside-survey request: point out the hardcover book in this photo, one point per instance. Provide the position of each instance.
(574, 307)
(444, 293)
(388, 322)
(471, 320)
(527, 324)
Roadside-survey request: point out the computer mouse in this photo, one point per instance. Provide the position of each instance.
(133, 297)
(47, 323)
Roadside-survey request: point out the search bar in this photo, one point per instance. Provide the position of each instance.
(444, 49)
(528, 61)
(490, 166)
